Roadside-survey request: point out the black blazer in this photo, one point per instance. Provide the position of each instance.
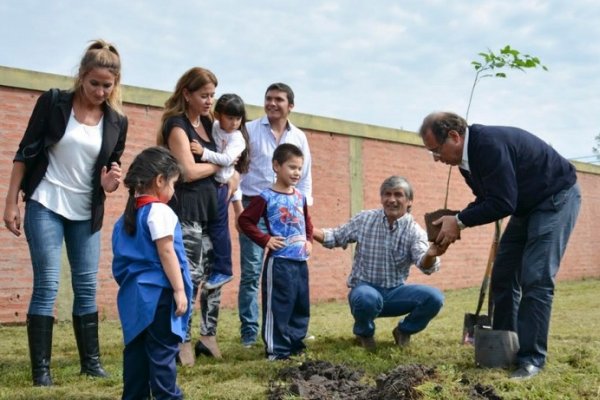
(512, 172)
(47, 126)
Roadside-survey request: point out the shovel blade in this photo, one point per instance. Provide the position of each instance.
(495, 348)
(470, 322)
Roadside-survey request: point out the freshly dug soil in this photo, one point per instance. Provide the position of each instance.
(317, 380)
(480, 391)
(487, 392)
(322, 380)
(400, 383)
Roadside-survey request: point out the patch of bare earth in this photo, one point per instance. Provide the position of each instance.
(479, 391)
(322, 380)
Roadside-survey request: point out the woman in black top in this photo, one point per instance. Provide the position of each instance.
(187, 117)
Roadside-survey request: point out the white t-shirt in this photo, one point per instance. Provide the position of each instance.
(162, 221)
(67, 186)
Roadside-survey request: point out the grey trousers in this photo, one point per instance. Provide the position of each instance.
(199, 252)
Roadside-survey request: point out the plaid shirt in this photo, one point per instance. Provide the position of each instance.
(383, 255)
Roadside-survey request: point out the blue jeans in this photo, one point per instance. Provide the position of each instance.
(367, 302)
(524, 270)
(251, 258)
(45, 231)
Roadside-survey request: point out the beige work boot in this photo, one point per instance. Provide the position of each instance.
(186, 356)
(368, 342)
(208, 346)
(402, 339)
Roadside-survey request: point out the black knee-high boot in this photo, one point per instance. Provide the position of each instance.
(39, 334)
(86, 334)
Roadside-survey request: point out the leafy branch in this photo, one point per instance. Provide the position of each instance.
(492, 63)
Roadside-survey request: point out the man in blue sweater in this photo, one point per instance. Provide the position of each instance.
(512, 173)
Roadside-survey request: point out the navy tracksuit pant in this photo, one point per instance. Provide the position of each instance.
(149, 360)
(286, 307)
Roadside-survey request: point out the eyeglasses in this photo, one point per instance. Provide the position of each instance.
(436, 152)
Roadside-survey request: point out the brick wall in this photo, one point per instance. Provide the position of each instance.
(345, 178)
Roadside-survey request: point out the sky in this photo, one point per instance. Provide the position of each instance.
(385, 62)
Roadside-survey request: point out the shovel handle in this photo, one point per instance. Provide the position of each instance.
(488, 268)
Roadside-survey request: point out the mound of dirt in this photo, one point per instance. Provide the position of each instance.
(317, 380)
(321, 380)
(479, 391)
(400, 382)
(486, 392)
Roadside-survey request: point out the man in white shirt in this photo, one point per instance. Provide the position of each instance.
(265, 134)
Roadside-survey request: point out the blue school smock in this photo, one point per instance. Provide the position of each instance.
(138, 271)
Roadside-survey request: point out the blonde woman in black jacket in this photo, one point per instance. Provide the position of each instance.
(68, 158)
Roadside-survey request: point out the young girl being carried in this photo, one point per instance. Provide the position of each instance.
(230, 135)
(155, 287)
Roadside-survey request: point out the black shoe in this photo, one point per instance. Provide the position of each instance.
(526, 371)
(201, 349)
(208, 346)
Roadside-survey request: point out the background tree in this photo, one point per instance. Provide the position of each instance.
(596, 148)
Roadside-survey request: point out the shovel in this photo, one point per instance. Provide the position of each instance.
(478, 319)
(495, 348)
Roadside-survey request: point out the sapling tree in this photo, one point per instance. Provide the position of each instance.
(494, 65)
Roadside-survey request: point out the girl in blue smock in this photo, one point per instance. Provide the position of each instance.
(150, 267)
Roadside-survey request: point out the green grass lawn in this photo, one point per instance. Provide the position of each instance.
(572, 372)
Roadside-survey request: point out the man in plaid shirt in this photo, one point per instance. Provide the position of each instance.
(388, 241)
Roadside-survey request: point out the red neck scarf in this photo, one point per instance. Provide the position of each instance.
(144, 199)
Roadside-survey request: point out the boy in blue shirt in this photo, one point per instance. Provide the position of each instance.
(285, 293)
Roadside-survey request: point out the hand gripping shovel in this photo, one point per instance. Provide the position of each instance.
(473, 320)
